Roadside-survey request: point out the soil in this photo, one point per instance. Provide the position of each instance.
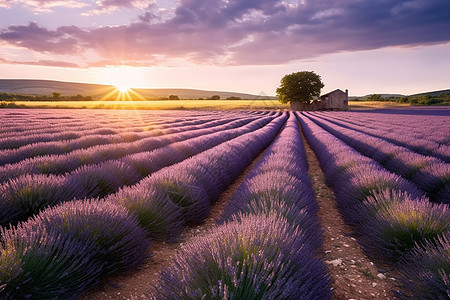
(354, 275)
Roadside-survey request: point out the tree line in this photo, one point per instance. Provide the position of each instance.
(427, 99)
(58, 97)
(54, 97)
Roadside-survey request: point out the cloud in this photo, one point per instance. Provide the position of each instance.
(44, 6)
(40, 39)
(48, 63)
(245, 32)
(107, 6)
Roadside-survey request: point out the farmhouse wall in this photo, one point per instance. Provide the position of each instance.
(335, 100)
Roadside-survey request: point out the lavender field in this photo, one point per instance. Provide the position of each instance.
(86, 193)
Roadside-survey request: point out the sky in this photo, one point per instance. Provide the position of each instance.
(365, 46)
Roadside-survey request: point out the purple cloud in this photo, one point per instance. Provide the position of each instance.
(247, 32)
(32, 36)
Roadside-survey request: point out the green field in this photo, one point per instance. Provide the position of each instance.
(182, 104)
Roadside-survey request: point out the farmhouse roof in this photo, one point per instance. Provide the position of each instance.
(336, 90)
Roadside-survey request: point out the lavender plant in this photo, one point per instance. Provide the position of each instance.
(184, 191)
(379, 201)
(256, 258)
(157, 214)
(365, 182)
(273, 186)
(397, 228)
(101, 180)
(22, 197)
(120, 243)
(41, 263)
(426, 271)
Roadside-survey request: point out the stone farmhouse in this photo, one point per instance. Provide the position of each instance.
(334, 100)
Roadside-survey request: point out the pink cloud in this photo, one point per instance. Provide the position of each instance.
(42, 5)
(49, 63)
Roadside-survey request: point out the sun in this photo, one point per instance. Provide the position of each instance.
(123, 88)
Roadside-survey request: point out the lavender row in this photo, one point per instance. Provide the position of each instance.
(41, 131)
(257, 257)
(65, 133)
(416, 137)
(26, 195)
(183, 193)
(91, 139)
(51, 121)
(265, 249)
(429, 173)
(279, 184)
(85, 128)
(35, 121)
(60, 164)
(65, 250)
(387, 121)
(390, 214)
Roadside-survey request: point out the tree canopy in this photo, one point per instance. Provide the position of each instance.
(299, 87)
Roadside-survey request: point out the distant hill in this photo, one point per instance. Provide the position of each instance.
(47, 87)
(435, 93)
(382, 95)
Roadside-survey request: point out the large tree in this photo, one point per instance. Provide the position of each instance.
(299, 87)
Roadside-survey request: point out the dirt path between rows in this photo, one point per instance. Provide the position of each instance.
(354, 275)
(138, 282)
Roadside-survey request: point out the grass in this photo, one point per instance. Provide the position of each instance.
(183, 104)
(374, 104)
